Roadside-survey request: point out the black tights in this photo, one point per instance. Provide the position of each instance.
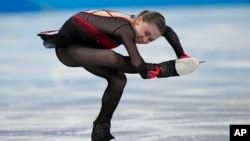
(103, 63)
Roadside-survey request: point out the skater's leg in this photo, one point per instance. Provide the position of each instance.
(111, 97)
(78, 56)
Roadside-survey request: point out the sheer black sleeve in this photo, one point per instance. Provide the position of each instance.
(174, 41)
(127, 35)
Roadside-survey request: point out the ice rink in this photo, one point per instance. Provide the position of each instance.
(43, 100)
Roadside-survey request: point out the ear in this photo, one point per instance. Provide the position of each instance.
(138, 20)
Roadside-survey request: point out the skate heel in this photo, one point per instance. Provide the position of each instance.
(101, 132)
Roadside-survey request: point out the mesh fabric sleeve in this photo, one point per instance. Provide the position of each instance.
(174, 41)
(127, 35)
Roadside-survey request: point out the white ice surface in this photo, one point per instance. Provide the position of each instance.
(43, 100)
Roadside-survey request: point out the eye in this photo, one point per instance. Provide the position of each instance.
(151, 39)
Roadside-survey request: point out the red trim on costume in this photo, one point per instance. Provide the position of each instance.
(107, 11)
(184, 55)
(103, 40)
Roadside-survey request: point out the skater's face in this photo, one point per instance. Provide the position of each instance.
(145, 32)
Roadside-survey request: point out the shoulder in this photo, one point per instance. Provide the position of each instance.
(125, 29)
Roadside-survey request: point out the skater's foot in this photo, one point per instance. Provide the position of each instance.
(101, 132)
(178, 67)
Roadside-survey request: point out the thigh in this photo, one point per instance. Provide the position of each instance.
(81, 56)
(106, 73)
(85, 56)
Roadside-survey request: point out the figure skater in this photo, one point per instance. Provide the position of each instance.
(86, 39)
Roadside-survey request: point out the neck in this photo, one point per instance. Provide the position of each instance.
(132, 19)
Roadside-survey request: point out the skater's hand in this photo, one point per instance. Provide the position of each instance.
(154, 73)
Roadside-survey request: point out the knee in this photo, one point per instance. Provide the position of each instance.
(119, 81)
(114, 59)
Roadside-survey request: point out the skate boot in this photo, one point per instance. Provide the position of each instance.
(101, 132)
(178, 67)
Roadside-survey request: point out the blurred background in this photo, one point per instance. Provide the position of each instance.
(40, 5)
(41, 99)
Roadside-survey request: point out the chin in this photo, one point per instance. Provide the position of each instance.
(140, 43)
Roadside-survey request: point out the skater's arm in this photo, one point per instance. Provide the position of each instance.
(174, 41)
(127, 35)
